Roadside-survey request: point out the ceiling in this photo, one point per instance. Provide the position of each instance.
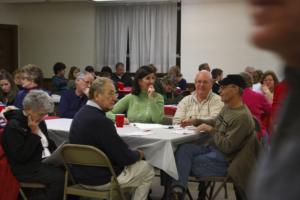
(40, 1)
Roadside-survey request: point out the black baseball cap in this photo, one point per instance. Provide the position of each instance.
(234, 79)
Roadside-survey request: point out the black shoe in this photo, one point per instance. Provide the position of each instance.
(176, 196)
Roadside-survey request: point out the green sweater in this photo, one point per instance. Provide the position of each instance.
(139, 108)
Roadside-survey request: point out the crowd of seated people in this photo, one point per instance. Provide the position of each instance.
(203, 109)
(26, 142)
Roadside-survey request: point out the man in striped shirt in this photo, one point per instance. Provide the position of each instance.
(201, 104)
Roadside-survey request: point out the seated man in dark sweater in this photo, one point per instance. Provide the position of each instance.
(91, 127)
(72, 100)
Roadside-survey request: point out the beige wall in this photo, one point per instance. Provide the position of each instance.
(218, 33)
(54, 32)
(8, 15)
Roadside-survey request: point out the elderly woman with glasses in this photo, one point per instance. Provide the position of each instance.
(32, 78)
(26, 143)
(72, 100)
(144, 104)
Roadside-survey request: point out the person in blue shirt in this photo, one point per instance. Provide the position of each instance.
(59, 82)
(72, 100)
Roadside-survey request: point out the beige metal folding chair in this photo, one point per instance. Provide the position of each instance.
(74, 154)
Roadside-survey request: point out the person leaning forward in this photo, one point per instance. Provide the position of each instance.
(90, 126)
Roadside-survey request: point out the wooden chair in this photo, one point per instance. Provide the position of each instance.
(30, 185)
(74, 154)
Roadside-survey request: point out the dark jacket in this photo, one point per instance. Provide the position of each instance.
(124, 79)
(70, 103)
(22, 147)
(90, 126)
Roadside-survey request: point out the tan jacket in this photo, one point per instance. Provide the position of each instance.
(244, 163)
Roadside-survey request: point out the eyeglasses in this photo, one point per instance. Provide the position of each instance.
(86, 82)
(202, 82)
(112, 94)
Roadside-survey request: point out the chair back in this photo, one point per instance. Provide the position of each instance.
(85, 155)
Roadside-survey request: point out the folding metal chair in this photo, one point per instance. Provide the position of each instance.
(74, 154)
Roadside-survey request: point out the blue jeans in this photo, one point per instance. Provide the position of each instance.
(199, 161)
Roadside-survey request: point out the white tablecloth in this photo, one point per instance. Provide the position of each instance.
(158, 144)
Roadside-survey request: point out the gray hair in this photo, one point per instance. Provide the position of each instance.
(98, 86)
(82, 74)
(248, 78)
(204, 72)
(38, 100)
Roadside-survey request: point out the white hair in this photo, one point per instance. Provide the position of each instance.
(37, 100)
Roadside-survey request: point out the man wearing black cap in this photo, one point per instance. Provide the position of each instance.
(230, 132)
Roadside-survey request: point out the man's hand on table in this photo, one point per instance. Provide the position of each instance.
(203, 128)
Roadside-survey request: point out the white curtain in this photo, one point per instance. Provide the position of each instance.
(152, 35)
(111, 35)
(152, 30)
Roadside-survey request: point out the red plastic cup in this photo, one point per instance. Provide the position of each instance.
(2, 107)
(120, 85)
(120, 120)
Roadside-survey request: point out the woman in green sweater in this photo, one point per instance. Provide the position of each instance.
(143, 104)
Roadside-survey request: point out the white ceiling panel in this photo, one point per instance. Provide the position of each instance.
(39, 1)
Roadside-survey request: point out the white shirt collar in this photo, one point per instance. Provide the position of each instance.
(93, 104)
